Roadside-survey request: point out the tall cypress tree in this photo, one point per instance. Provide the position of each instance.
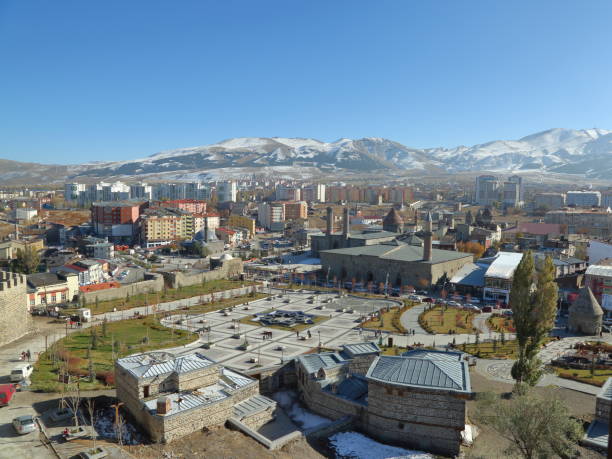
(533, 299)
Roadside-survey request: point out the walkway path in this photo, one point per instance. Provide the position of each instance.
(410, 319)
(480, 322)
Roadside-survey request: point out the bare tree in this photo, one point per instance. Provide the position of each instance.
(74, 400)
(91, 409)
(119, 429)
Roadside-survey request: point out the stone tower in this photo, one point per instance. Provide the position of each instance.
(393, 222)
(16, 319)
(585, 314)
(427, 235)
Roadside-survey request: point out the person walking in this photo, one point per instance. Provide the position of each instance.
(29, 355)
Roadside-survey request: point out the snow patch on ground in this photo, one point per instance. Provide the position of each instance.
(354, 445)
(304, 419)
(105, 427)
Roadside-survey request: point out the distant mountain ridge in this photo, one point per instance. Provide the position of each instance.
(586, 152)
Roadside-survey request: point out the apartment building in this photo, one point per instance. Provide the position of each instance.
(195, 206)
(595, 223)
(487, 190)
(314, 193)
(272, 216)
(583, 198)
(227, 191)
(117, 221)
(549, 200)
(163, 226)
(295, 210)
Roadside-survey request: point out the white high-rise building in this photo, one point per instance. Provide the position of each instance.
(314, 192)
(226, 191)
(72, 191)
(271, 216)
(487, 190)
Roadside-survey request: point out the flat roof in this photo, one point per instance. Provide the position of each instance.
(504, 265)
(599, 270)
(314, 362)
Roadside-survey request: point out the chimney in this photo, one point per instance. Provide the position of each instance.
(345, 222)
(330, 221)
(427, 238)
(164, 405)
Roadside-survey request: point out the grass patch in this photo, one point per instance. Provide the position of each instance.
(126, 336)
(495, 349)
(501, 323)
(299, 327)
(598, 378)
(444, 319)
(166, 295)
(388, 320)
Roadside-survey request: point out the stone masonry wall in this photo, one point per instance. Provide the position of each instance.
(602, 409)
(171, 427)
(257, 420)
(361, 364)
(16, 320)
(153, 283)
(229, 269)
(430, 420)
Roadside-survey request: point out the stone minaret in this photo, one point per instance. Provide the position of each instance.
(206, 229)
(427, 234)
(345, 222)
(330, 221)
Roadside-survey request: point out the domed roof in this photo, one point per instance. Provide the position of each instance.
(226, 256)
(586, 304)
(201, 236)
(393, 218)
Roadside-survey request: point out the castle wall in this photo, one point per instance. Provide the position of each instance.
(16, 320)
(229, 269)
(153, 283)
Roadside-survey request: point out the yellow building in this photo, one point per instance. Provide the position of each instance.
(164, 226)
(8, 250)
(242, 222)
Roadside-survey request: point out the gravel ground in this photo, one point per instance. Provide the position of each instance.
(222, 443)
(488, 444)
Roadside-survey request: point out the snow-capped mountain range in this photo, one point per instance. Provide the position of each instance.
(585, 152)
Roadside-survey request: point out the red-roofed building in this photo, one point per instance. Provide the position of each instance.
(228, 236)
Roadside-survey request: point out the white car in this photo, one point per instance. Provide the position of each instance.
(25, 424)
(21, 373)
(453, 303)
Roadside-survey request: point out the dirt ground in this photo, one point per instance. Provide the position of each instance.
(490, 445)
(222, 443)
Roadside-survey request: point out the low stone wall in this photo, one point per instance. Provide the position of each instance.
(340, 425)
(275, 378)
(229, 269)
(257, 420)
(172, 427)
(153, 283)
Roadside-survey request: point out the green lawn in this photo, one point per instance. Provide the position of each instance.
(499, 323)
(584, 376)
(129, 337)
(170, 294)
(441, 319)
(299, 327)
(487, 350)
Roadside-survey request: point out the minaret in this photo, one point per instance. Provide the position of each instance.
(345, 222)
(330, 221)
(206, 228)
(427, 234)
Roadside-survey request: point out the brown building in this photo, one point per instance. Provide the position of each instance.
(296, 210)
(117, 221)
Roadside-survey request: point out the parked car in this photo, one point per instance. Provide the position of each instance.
(453, 303)
(6, 393)
(428, 300)
(507, 312)
(21, 373)
(487, 309)
(25, 424)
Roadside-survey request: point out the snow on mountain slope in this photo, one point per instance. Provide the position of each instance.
(567, 151)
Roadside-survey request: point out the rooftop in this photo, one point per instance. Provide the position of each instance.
(314, 362)
(356, 349)
(599, 270)
(402, 252)
(159, 363)
(504, 265)
(429, 373)
(43, 279)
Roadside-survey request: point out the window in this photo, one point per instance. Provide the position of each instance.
(63, 296)
(53, 298)
(401, 425)
(32, 302)
(146, 390)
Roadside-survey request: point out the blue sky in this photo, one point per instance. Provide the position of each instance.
(113, 80)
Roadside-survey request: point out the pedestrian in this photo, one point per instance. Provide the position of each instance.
(28, 354)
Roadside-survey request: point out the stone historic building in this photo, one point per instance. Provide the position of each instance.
(396, 262)
(585, 314)
(346, 238)
(171, 397)
(417, 399)
(16, 319)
